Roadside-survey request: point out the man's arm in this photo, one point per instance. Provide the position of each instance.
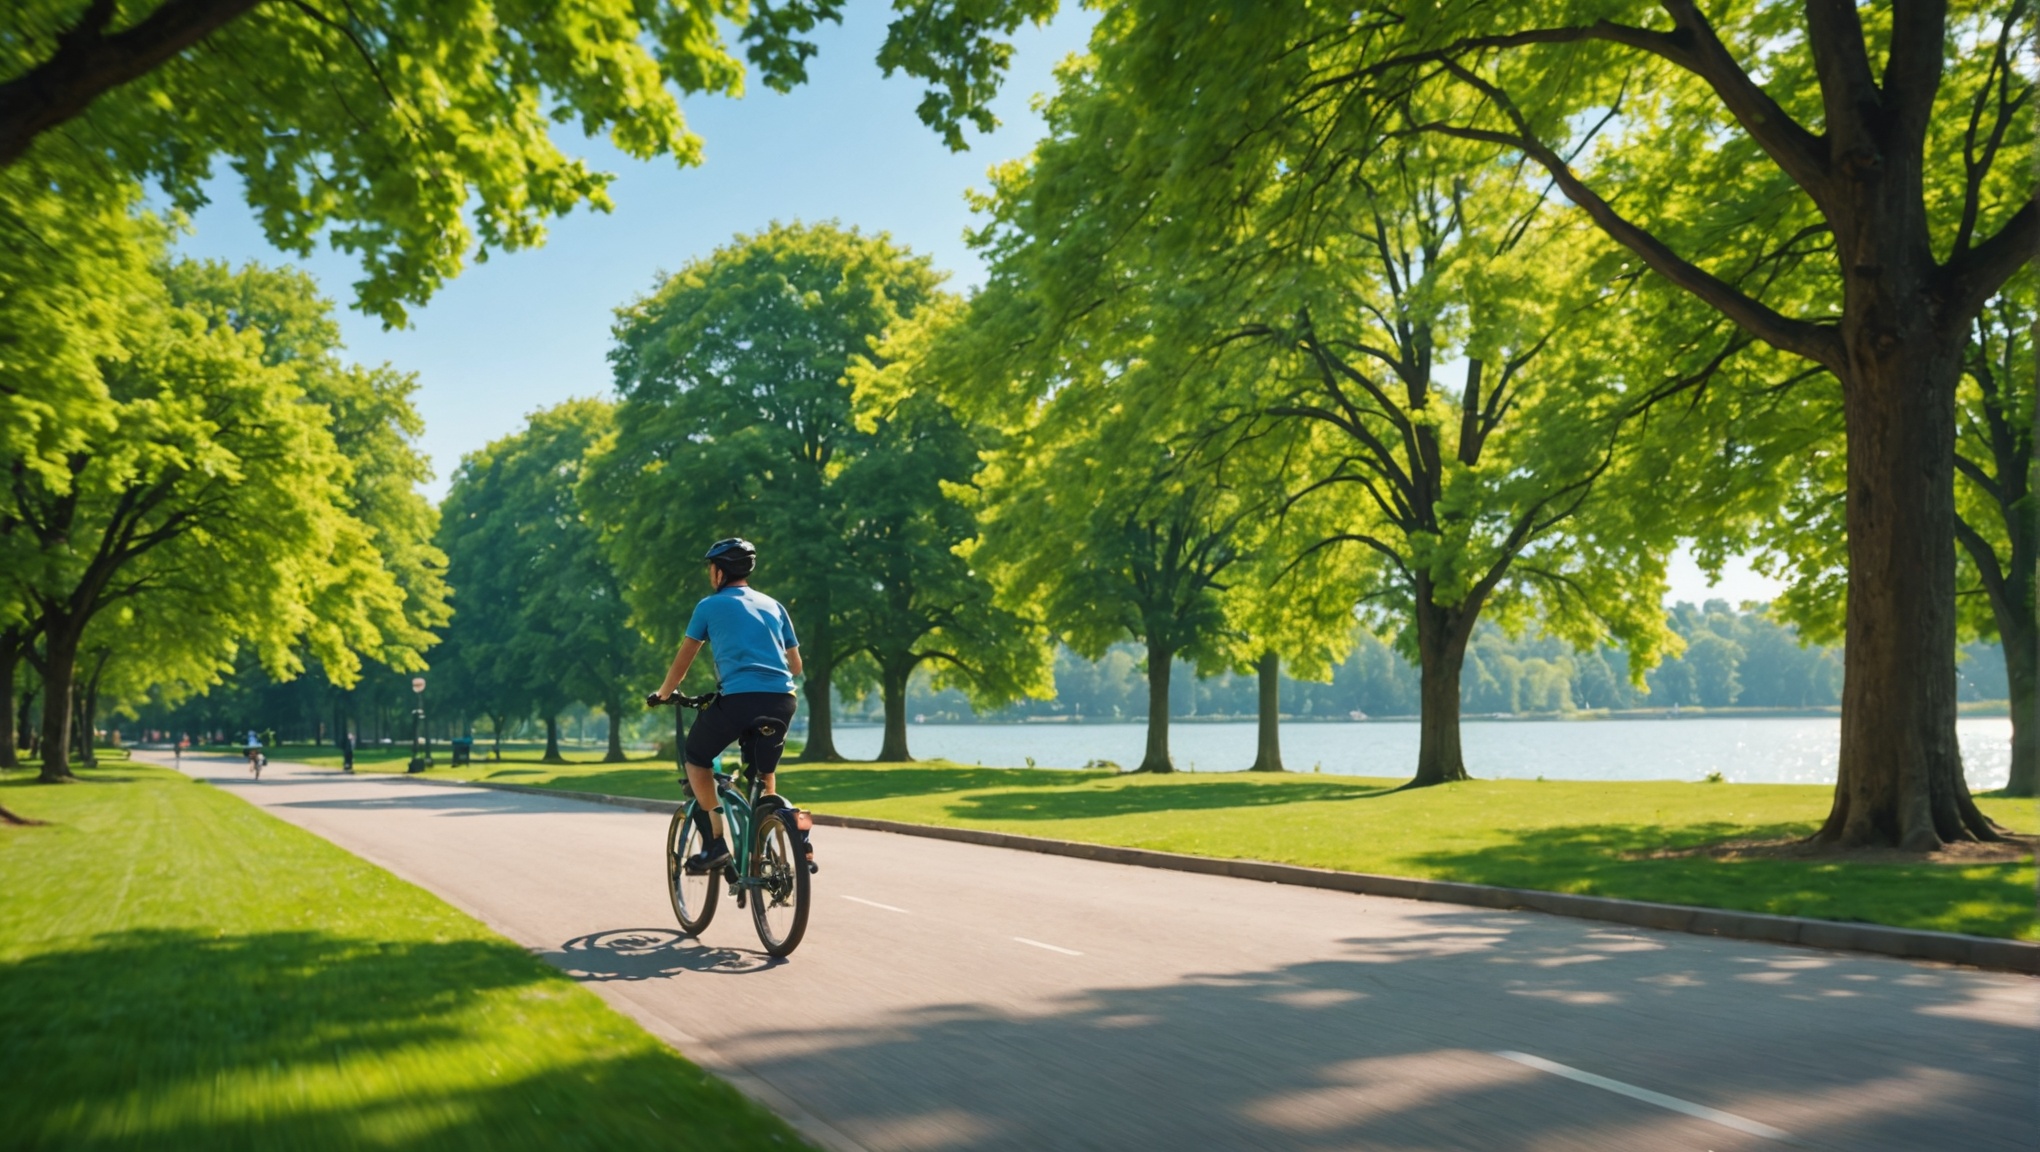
(682, 660)
(793, 660)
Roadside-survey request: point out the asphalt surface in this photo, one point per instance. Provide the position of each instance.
(949, 996)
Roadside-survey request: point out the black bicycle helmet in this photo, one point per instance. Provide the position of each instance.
(735, 556)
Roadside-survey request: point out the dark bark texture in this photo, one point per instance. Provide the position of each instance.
(552, 741)
(1156, 758)
(90, 61)
(10, 665)
(615, 753)
(819, 661)
(1442, 634)
(893, 678)
(1268, 713)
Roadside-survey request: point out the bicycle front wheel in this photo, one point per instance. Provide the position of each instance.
(779, 906)
(693, 896)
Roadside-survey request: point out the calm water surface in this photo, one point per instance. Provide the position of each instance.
(1781, 750)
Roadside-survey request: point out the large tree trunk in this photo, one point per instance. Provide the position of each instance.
(615, 753)
(1441, 653)
(1900, 783)
(10, 663)
(2023, 677)
(496, 731)
(1157, 757)
(552, 741)
(60, 663)
(892, 691)
(1268, 743)
(820, 666)
(24, 727)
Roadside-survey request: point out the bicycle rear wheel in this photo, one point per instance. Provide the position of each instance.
(779, 906)
(693, 896)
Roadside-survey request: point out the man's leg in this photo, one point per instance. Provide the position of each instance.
(701, 782)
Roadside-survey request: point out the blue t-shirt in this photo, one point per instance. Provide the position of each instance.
(750, 633)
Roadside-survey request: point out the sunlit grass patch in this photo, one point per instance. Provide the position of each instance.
(179, 969)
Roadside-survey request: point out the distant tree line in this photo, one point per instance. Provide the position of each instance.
(1741, 659)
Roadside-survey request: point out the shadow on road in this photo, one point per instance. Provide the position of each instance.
(650, 954)
(1392, 1046)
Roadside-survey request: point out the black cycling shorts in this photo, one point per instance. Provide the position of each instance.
(756, 720)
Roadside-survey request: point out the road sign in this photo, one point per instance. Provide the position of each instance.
(417, 683)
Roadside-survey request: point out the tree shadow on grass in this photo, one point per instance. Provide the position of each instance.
(817, 784)
(176, 1039)
(1146, 797)
(1621, 860)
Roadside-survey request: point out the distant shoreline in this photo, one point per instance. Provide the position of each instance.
(1980, 708)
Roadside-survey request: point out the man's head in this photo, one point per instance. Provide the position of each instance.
(730, 561)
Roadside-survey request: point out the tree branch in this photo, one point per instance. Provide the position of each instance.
(89, 63)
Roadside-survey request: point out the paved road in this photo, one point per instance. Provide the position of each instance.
(950, 996)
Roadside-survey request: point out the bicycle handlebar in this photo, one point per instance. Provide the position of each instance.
(654, 700)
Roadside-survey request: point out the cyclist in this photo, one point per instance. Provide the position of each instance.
(756, 658)
(253, 751)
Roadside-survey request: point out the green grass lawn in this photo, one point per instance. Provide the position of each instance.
(1562, 836)
(181, 970)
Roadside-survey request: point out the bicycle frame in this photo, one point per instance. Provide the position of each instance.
(738, 824)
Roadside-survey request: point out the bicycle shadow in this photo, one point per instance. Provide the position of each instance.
(633, 954)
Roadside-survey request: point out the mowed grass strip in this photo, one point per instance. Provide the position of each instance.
(1593, 838)
(181, 970)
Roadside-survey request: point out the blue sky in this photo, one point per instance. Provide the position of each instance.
(530, 329)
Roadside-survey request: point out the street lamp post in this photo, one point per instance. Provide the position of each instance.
(421, 757)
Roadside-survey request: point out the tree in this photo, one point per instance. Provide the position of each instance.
(214, 478)
(413, 134)
(910, 513)
(1096, 529)
(1334, 304)
(1854, 217)
(736, 420)
(547, 621)
(1996, 508)
(1912, 254)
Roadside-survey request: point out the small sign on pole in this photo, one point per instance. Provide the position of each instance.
(417, 683)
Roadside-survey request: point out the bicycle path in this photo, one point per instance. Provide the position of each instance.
(951, 996)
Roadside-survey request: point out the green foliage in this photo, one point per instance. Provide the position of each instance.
(911, 501)
(413, 133)
(540, 620)
(180, 970)
(736, 420)
(233, 499)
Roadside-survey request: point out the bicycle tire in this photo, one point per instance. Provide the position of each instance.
(693, 897)
(779, 907)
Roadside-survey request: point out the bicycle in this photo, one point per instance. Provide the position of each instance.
(766, 870)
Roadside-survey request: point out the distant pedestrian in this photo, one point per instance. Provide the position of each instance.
(181, 742)
(347, 752)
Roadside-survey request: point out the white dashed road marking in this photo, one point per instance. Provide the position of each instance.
(876, 904)
(1700, 1111)
(1050, 947)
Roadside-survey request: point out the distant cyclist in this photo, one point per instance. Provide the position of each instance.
(756, 658)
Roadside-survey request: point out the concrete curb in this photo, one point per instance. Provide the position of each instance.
(1835, 935)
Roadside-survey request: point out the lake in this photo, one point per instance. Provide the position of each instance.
(1766, 750)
